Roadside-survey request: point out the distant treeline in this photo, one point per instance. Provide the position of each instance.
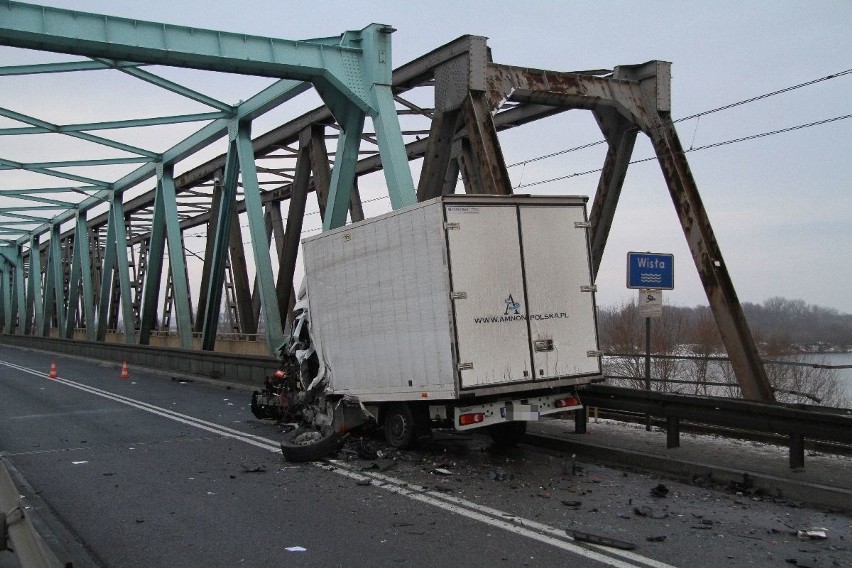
(777, 325)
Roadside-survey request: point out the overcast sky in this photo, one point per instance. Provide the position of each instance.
(781, 205)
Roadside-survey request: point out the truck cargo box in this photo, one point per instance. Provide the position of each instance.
(459, 296)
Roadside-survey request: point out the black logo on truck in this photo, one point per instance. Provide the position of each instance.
(512, 312)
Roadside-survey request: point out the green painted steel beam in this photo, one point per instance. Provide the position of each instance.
(65, 67)
(36, 199)
(16, 305)
(35, 166)
(354, 80)
(259, 239)
(165, 227)
(81, 274)
(154, 272)
(4, 229)
(54, 301)
(48, 172)
(7, 271)
(31, 208)
(116, 124)
(386, 124)
(36, 190)
(31, 218)
(170, 86)
(19, 297)
(32, 121)
(107, 267)
(343, 172)
(34, 314)
(101, 36)
(115, 260)
(257, 105)
(216, 253)
(5, 274)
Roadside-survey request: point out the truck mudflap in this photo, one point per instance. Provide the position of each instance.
(514, 410)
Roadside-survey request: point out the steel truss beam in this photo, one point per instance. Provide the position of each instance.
(351, 73)
(467, 114)
(637, 97)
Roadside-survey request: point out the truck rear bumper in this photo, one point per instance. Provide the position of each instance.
(514, 410)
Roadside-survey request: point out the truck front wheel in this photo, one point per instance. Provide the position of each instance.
(399, 425)
(507, 434)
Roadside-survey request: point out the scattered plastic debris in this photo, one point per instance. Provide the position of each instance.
(79, 462)
(296, 549)
(813, 534)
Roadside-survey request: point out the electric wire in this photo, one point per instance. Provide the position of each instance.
(698, 148)
(691, 116)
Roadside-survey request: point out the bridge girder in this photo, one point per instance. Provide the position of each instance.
(469, 95)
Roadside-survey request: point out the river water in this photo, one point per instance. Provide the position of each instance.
(843, 375)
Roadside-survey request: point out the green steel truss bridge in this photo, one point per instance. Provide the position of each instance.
(94, 247)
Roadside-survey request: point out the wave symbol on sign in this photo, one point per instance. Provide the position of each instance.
(652, 278)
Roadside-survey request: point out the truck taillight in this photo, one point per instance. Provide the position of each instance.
(472, 418)
(567, 402)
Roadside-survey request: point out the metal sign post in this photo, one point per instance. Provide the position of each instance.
(650, 273)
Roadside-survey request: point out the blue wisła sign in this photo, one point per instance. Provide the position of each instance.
(652, 271)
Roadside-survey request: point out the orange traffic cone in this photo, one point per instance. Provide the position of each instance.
(52, 374)
(125, 372)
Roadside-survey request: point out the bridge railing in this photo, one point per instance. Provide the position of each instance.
(240, 368)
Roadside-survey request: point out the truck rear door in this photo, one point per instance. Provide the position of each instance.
(516, 274)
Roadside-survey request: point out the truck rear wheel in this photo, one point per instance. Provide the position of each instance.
(399, 425)
(507, 434)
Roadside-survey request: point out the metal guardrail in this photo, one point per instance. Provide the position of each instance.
(798, 421)
(231, 367)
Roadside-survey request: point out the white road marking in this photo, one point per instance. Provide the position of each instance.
(493, 517)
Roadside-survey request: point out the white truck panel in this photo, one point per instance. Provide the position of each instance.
(561, 315)
(485, 257)
(406, 307)
(379, 301)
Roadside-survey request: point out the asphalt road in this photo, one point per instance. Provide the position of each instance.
(152, 471)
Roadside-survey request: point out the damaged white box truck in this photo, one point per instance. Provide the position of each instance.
(471, 310)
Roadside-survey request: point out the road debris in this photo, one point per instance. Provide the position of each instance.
(261, 468)
(646, 511)
(660, 491)
(601, 540)
(296, 549)
(813, 534)
(659, 538)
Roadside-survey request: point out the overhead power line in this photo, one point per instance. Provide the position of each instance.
(690, 117)
(697, 148)
(765, 95)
